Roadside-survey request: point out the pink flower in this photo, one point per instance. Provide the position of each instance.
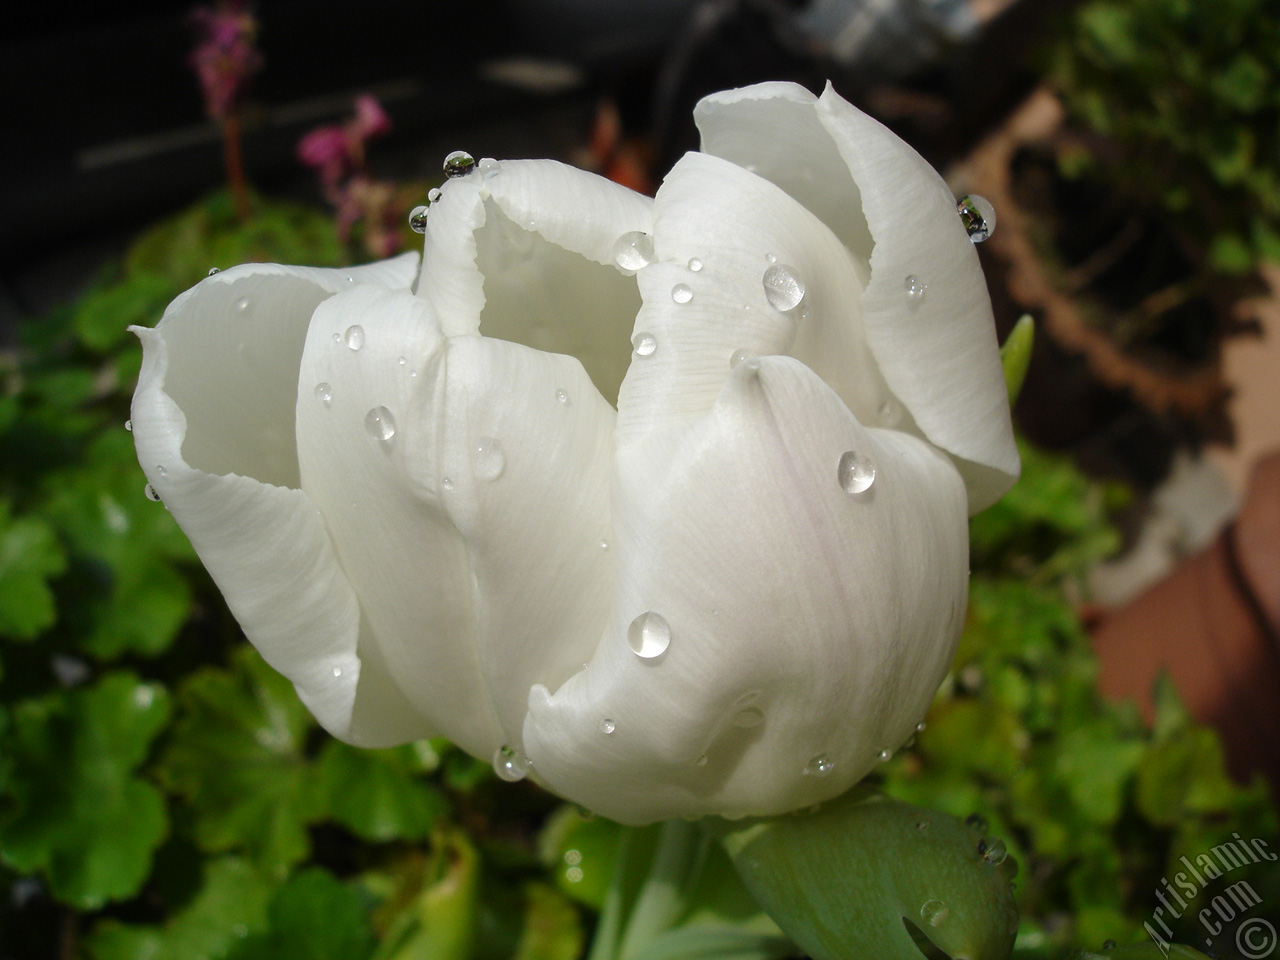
(225, 56)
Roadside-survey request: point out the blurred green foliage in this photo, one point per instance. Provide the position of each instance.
(163, 794)
(1189, 92)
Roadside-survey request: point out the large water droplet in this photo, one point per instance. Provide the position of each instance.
(633, 251)
(324, 393)
(855, 473)
(992, 850)
(489, 168)
(354, 336)
(128, 425)
(459, 164)
(509, 765)
(607, 726)
(433, 195)
(489, 459)
(749, 717)
(644, 344)
(151, 494)
(978, 216)
(682, 293)
(649, 635)
(934, 912)
(380, 423)
(418, 219)
(819, 766)
(914, 288)
(781, 288)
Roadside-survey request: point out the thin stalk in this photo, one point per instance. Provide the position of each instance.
(233, 163)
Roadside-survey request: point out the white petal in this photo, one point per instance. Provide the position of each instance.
(738, 228)
(405, 561)
(212, 360)
(471, 530)
(528, 444)
(938, 354)
(542, 200)
(832, 614)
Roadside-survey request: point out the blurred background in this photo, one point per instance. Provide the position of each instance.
(1116, 701)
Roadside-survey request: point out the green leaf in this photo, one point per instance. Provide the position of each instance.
(1143, 951)
(841, 881)
(76, 811)
(231, 905)
(552, 927)
(312, 917)
(582, 853)
(435, 915)
(1096, 765)
(1015, 355)
(716, 943)
(380, 795)
(1184, 775)
(236, 755)
(30, 556)
(103, 317)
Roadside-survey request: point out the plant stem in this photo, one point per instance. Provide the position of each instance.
(233, 163)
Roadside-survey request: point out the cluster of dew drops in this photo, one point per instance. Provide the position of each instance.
(990, 850)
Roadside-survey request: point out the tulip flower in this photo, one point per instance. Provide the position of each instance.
(661, 502)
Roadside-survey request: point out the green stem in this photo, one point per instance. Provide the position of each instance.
(663, 899)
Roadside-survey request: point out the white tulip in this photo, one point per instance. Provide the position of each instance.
(732, 591)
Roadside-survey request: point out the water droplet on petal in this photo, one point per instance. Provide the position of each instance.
(889, 413)
(459, 164)
(213, 270)
(649, 635)
(819, 766)
(750, 717)
(737, 357)
(644, 344)
(433, 195)
(633, 251)
(771, 257)
(380, 423)
(418, 219)
(920, 727)
(855, 473)
(128, 425)
(337, 671)
(509, 765)
(562, 397)
(160, 469)
(992, 850)
(978, 216)
(682, 293)
(242, 304)
(337, 337)
(695, 264)
(604, 544)
(608, 726)
(150, 492)
(934, 913)
(447, 483)
(489, 459)
(489, 168)
(354, 336)
(884, 755)
(914, 288)
(324, 393)
(781, 288)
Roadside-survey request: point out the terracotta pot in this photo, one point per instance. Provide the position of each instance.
(1214, 625)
